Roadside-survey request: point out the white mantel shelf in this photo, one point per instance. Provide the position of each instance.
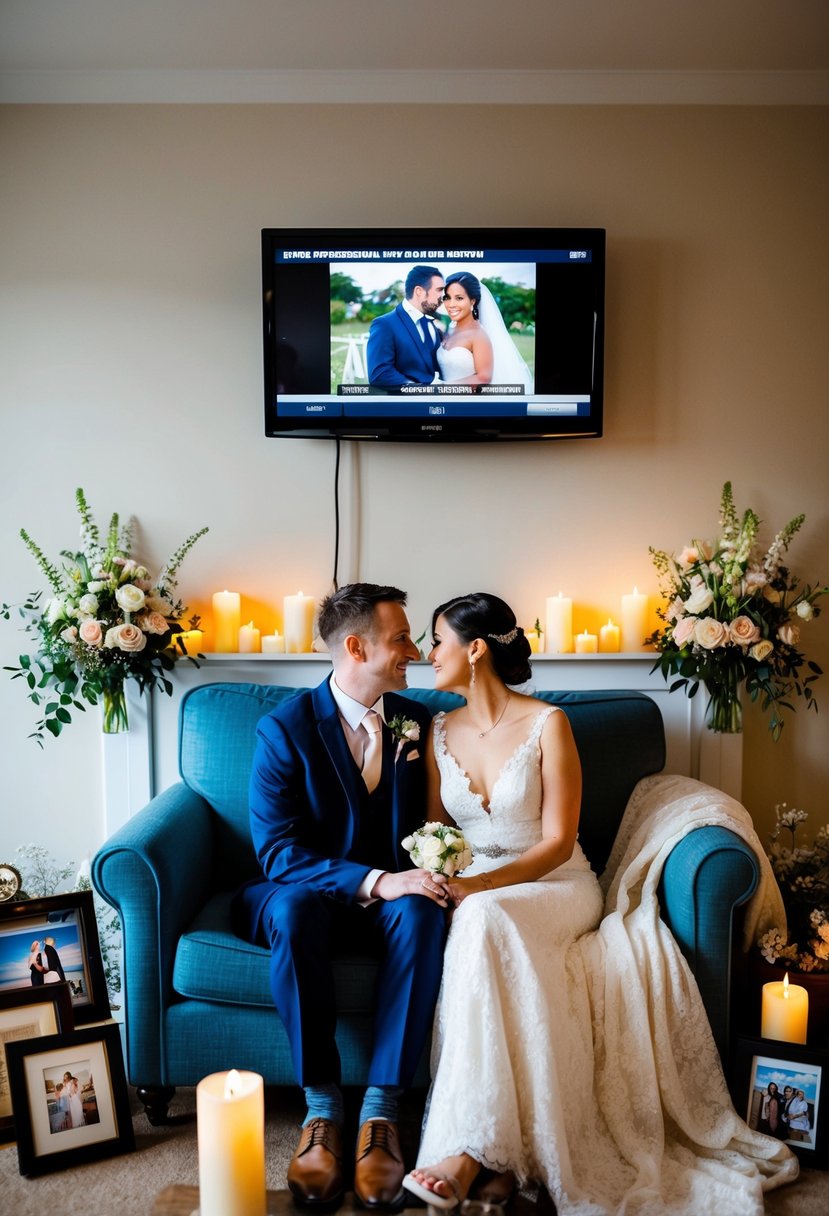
(143, 761)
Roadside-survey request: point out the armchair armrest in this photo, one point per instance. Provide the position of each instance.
(155, 871)
(709, 874)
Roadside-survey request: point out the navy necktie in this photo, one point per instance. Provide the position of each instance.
(427, 333)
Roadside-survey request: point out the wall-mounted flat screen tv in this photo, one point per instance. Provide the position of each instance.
(434, 334)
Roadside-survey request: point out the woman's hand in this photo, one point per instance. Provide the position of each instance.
(459, 889)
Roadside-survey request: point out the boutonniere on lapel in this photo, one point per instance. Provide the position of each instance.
(405, 730)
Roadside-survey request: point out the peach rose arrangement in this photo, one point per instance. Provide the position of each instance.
(107, 621)
(733, 617)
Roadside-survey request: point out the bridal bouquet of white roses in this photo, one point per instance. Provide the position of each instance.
(439, 849)
(107, 621)
(733, 617)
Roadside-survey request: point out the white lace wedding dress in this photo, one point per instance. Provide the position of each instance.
(534, 1065)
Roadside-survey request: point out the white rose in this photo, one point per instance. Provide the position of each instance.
(761, 650)
(430, 848)
(413, 733)
(430, 828)
(130, 598)
(95, 587)
(449, 840)
(69, 634)
(789, 635)
(407, 843)
(88, 604)
(805, 610)
(710, 633)
(55, 610)
(699, 599)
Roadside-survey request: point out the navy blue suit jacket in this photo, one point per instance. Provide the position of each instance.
(306, 792)
(397, 354)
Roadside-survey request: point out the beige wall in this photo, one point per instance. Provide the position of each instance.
(131, 365)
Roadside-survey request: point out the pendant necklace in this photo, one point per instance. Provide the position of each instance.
(497, 720)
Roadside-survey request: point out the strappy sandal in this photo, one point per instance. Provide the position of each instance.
(429, 1197)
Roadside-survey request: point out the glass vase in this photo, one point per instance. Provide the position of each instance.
(725, 712)
(115, 711)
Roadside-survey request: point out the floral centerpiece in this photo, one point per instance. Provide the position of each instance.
(106, 621)
(802, 874)
(733, 617)
(438, 848)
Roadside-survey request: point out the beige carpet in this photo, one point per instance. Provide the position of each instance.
(128, 1185)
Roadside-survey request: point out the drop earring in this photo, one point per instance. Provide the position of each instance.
(471, 674)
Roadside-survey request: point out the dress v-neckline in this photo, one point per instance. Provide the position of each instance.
(486, 805)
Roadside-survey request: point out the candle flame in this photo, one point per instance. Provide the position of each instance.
(786, 987)
(233, 1083)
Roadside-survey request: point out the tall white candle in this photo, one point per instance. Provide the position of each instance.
(298, 623)
(785, 1011)
(559, 638)
(226, 608)
(634, 621)
(249, 639)
(230, 1113)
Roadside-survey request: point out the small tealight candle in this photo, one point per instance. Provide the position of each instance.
(249, 639)
(609, 638)
(273, 643)
(634, 621)
(559, 625)
(230, 1114)
(785, 1013)
(586, 643)
(298, 623)
(226, 607)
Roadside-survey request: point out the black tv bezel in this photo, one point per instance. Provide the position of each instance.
(448, 430)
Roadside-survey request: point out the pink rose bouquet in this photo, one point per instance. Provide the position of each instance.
(107, 621)
(733, 617)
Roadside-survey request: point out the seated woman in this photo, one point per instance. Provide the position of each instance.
(527, 1075)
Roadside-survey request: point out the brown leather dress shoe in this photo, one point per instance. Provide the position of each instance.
(378, 1166)
(315, 1175)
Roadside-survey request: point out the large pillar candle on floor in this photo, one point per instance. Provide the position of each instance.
(785, 1012)
(230, 1113)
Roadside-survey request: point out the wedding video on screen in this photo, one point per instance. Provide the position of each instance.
(431, 332)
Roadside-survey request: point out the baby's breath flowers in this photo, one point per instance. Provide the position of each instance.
(107, 621)
(733, 617)
(802, 874)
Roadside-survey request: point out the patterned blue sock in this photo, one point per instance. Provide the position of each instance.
(324, 1102)
(380, 1102)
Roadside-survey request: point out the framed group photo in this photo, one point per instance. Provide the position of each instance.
(55, 940)
(28, 1013)
(70, 1098)
(785, 1087)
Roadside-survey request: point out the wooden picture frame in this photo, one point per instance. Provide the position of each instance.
(790, 1067)
(67, 922)
(27, 1013)
(70, 1098)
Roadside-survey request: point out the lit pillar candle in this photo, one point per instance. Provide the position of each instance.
(609, 638)
(273, 643)
(298, 623)
(559, 625)
(634, 621)
(586, 643)
(533, 636)
(226, 608)
(191, 640)
(249, 639)
(785, 1011)
(230, 1113)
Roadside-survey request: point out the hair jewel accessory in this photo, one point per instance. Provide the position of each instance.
(504, 638)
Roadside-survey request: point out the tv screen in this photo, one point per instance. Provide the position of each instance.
(434, 334)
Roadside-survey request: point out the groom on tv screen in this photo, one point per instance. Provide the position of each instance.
(402, 344)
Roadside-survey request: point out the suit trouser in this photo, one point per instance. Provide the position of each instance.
(305, 930)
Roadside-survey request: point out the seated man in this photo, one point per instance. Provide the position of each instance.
(333, 792)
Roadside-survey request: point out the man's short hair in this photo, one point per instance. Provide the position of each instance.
(350, 609)
(420, 276)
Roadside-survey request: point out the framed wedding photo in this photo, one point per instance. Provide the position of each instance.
(10, 881)
(28, 1013)
(51, 940)
(70, 1098)
(786, 1088)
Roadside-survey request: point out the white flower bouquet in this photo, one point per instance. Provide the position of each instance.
(802, 873)
(107, 621)
(438, 848)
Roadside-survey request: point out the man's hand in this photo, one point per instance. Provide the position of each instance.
(411, 882)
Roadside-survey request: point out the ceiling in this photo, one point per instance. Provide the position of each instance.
(370, 50)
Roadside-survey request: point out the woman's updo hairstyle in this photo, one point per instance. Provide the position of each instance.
(471, 286)
(481, 615)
